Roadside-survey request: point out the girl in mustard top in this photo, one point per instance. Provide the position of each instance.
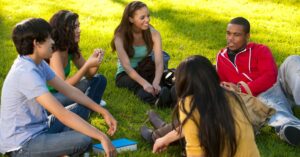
(213, 120)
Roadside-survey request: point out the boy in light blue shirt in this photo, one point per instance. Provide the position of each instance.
(25, 129)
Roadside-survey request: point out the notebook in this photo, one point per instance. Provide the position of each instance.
(121, 145)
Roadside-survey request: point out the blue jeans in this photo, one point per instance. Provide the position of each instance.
(284, 94)
(60, 140)
(93, 88)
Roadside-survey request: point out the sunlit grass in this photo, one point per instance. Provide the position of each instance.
(187, 28)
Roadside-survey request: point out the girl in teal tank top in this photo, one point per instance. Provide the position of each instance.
(140, 52)
(134, 39)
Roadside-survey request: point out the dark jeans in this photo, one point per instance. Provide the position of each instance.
(124, 81)
(93, 88)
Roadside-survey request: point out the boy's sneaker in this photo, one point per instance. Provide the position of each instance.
(291, 134)
(102, 103)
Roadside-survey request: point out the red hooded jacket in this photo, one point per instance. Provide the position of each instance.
(254, 65)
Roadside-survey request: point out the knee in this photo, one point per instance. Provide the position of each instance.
(290, 66)
(291, 58)
(101, 79)
(84, 141)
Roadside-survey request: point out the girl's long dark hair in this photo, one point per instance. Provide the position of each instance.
(124, 30)
(63, 34)
(197, 77)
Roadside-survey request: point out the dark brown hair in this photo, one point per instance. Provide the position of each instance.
(63, 34)
(124, 30)
(197, 78)
(27, 31)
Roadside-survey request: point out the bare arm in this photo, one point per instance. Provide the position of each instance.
(157, 49)
(56, 64)
(92, 69)
(73, 121)
(76, 95)
(124, 59)
(162, 143)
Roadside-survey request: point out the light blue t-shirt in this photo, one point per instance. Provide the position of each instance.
(21, 117)
(140, 53)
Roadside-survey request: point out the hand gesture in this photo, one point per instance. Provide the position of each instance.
(230, 86)
(96, 58)
(159, 145)
(111, 122)
(149, 88)
(156, 88)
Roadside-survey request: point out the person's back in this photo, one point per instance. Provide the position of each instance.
(246, 146)
(26, 117)
(213, 120)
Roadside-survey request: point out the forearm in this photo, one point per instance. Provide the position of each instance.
(67, 117)
(91, 71)
(79, 97)
(158, 72)
(75, 122)
(135, 76)
(261, 84)
(172, 136)
(77, 76)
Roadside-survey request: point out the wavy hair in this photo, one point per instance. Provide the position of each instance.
(124, 30)
(197, 77)
(63, 34)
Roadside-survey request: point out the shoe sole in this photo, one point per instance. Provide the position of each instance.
(146, 133)
(292, 134)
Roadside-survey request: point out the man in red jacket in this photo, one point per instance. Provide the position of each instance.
(254, 64)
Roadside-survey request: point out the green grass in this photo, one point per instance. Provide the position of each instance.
(187, 28)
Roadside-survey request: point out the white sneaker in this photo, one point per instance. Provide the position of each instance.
(103, 103)
(86, 154)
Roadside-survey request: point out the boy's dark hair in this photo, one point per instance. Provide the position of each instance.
(25, 32)
(241, 21)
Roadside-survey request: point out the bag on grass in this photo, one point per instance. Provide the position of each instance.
(258, 112)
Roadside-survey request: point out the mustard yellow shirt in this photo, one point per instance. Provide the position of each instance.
(246, 146)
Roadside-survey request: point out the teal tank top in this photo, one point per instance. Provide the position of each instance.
(67, 71)
(140, 52)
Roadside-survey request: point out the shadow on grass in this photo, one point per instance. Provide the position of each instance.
(8, 52)
(205, 30)
(179, 21)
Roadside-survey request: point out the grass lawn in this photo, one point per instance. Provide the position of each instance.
(187, 28)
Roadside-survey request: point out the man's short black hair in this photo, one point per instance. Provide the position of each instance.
(27, 31)
(241, 21)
